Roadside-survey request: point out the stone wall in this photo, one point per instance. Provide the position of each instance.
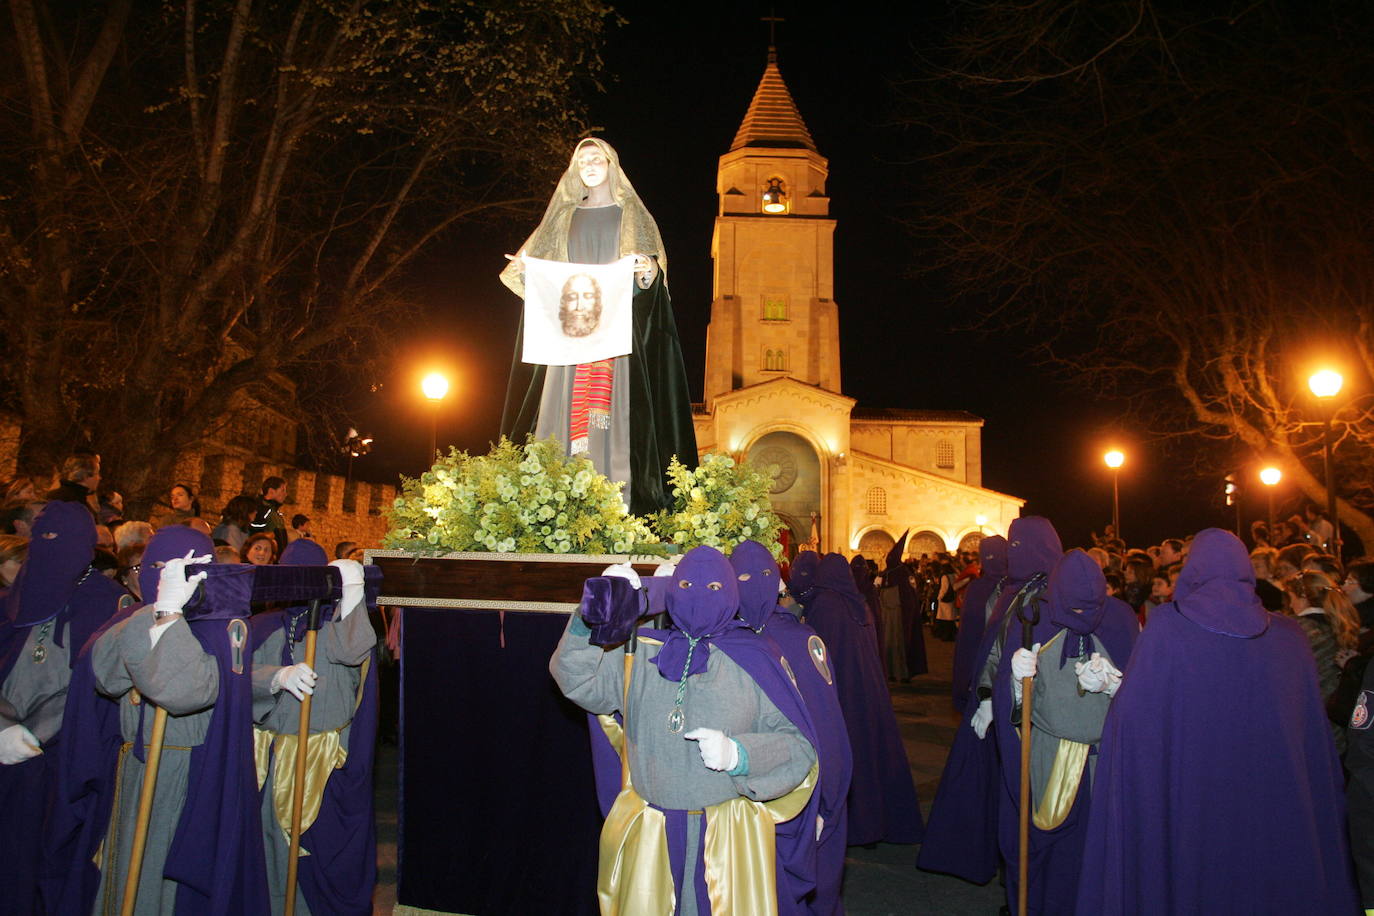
(338, 510)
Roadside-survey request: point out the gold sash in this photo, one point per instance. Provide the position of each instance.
(636, 877)
(324, 753)
(1061, 788)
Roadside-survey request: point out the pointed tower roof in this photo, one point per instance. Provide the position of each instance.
(772, 119)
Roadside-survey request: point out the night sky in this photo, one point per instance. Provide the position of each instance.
(680, 79)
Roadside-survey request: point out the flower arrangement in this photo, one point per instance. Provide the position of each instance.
(720, 503)
(515, 499)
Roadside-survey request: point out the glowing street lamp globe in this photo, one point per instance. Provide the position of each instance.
(1325, 383)
(1270, 476)
(1114, 459)
(435, 386)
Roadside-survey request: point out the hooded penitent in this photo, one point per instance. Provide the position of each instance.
(961, 837)
(979, 596)
(1217, 768)
(1076, 619)
(340, 871)
(214, 853)
(912, 636)
(808, 658)
(56, 603)
(669, 698)
(882, 797)
(648, 418)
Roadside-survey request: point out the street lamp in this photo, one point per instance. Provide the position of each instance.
(1325, 385)
(435, 386)
(1270, 477)
(1114, 460)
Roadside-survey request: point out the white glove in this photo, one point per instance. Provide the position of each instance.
(1097, 675)
(718, 752)
(668, 566)
(624, 571)
(1024, 663)
(982, 718)
(820, 827)
(297, 680)
(174, 587)
(17, 744)
(351, 572)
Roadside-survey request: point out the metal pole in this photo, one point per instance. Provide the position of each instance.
(1116, 504)
(1271, 514)
(433, 431)
(1335, 545)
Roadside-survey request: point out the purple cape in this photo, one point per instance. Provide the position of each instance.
(961, 836)
(1075, 585)
(340, 873)
(973, 619)
(882, 795)
(57, 584)
(863, 580)
(808, 658)
(216, 852)
(1218, 787)
(916, 663)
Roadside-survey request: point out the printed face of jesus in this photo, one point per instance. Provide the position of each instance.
(580, 307)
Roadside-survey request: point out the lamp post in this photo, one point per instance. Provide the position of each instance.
(1270, 477)
(1325, 385)
(435, 387)
(1114, 460)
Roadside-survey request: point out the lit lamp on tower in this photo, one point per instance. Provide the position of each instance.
(1115, 459)
(435, 387)
(774, 197)
(1270, 477)
(1325, 385)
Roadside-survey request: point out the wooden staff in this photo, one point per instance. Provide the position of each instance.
(145, 810)
(312, 629)
(1027, 691)
(630, 645)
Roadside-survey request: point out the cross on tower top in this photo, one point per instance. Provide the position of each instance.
(772, 21)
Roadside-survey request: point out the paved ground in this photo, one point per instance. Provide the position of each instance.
(878, 882)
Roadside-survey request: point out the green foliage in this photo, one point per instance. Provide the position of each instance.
(516, 499)
(719, 504)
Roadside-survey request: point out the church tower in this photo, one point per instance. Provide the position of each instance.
(773, 313)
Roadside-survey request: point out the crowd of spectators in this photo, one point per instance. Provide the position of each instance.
(250, 528)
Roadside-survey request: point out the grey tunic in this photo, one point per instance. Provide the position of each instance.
(593, 238)
(340, 650)
(666, 768)
(1059, 710)
(34, 694)
(182, 678)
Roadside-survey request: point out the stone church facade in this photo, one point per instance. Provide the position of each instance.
(852, 477)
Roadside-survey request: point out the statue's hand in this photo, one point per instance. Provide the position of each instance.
(517, 259)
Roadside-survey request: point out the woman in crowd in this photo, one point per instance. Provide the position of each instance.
(1263, 561)
(260, 550)
(233, 524)
(1328, 619)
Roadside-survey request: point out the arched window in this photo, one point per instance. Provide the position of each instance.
(877, 501)
(774, 308)
(944, 455)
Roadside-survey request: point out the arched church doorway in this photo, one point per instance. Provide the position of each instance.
(969, 543)
(875, 544)
(924, 542)
(796, 491)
